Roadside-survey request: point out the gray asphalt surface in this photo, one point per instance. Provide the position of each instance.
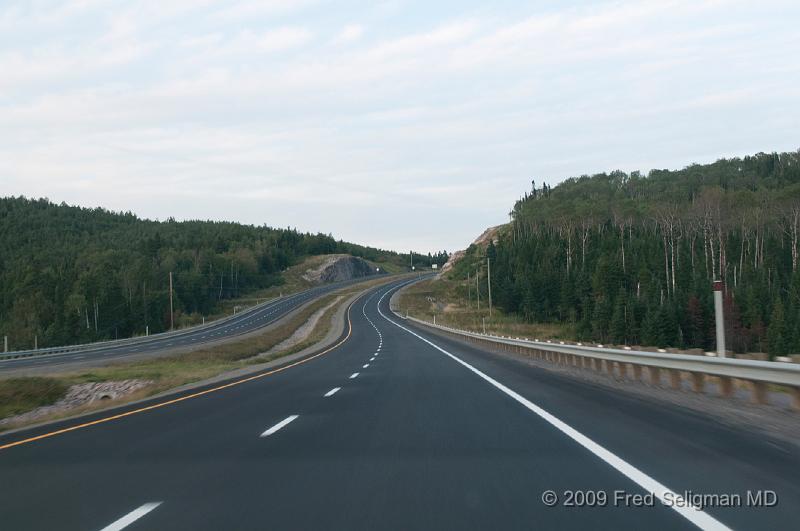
(421, 432)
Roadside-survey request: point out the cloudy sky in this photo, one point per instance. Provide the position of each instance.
(401, 124)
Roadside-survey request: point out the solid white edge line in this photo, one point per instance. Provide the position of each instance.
(353, 375)
(131, 517)
(279, 425)
(332, 392)
(678, 503)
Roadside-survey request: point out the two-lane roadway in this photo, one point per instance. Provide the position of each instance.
(395, 428)
(248, 321)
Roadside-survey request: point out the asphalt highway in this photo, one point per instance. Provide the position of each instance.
(247, 321)
(395, 428)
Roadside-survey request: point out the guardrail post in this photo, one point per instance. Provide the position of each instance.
(637, 372)
(655, 375)
(795, 397)
(726, 386)
(675, 378)
(610, 367)
(760, 393)
(698, 382)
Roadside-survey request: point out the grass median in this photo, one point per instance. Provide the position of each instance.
(454, 304)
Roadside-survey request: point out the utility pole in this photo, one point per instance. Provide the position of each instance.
(720, 320)
(5, 343)
(35, 342)
(144, 304)
(469, 291)
(96, 316)
(171, 313)
(489, 283)
(478, 290)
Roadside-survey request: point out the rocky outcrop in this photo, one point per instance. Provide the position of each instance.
(340, 267)
(79, 395)
(482, 241)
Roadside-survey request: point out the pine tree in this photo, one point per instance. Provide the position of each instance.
(618, 323)
(776, 333)
(601, 318)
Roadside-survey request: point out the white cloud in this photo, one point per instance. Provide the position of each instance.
(241, 110)
(274, 40)
(350, 33)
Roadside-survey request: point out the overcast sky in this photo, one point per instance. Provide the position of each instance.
(400, 124)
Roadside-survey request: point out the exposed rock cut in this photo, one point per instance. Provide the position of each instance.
(338, 267)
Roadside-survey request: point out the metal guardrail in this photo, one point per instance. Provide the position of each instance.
(623, 362)
(113, 343)
(142, 340)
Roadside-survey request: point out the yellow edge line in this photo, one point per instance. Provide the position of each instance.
(187, 397)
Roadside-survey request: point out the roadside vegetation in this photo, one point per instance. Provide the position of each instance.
(73, 275)
(454, 303)
(630, 258)
(18, 395)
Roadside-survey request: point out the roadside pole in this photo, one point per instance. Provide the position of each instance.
(489, 283)
(171, 311)
(718, 313)
(5, 343)
(478, 290)
(469, 291)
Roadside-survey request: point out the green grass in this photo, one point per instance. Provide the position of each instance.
(18, 395)
(449, 301)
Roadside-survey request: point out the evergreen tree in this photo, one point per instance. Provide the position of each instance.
(776, 334)
(619, 323)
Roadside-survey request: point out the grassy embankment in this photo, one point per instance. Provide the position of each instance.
(450, 301)
(18, 395)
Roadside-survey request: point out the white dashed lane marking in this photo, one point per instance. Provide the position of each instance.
(279, 425)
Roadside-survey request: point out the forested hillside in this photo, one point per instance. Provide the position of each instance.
(631, 258)
(71, 274)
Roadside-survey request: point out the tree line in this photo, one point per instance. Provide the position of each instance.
(71, 275)
(629, 258)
